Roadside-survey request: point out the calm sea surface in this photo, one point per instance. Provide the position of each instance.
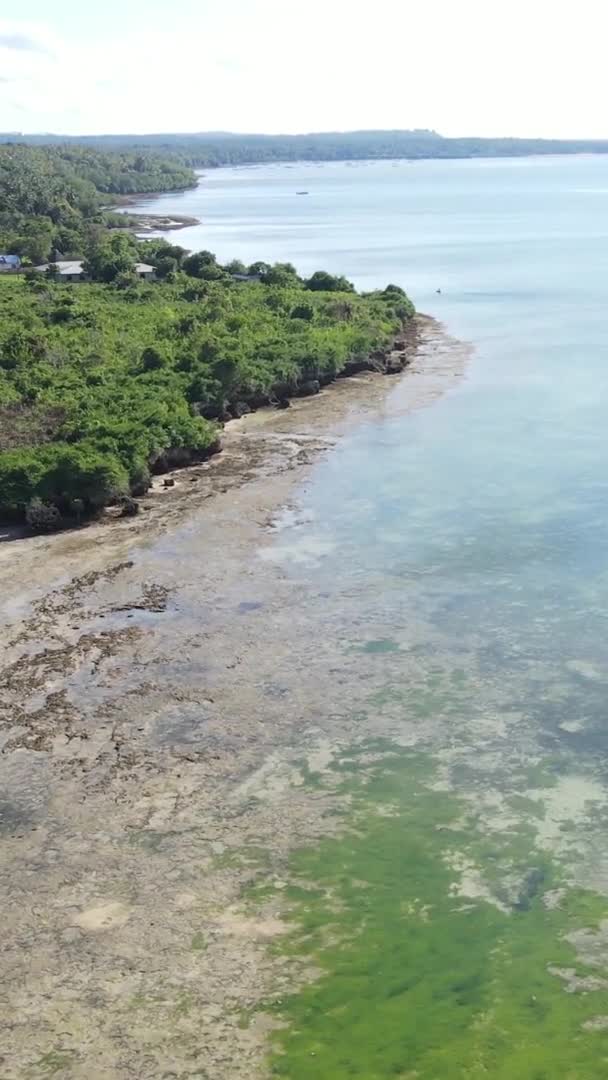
(473, 534)
(501, 488)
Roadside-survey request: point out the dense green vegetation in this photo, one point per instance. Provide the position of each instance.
(53, 200)
(209, 149)
(419, 981)
(100, 383)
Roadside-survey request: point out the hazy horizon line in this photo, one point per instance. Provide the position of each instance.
(225, 133)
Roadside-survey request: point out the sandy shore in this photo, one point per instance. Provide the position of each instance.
(154, 726)
(149, 222)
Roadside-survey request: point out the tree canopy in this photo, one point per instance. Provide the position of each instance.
(54, 201)
(103, 382)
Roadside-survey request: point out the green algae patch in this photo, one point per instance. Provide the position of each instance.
(199, 942)
(381, 645)
(439, 952)
(438, 693)
(56, 1061)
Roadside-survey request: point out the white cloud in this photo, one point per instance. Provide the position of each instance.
(476, 67)
(20, 42)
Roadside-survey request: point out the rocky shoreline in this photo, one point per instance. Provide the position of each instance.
(391, 361)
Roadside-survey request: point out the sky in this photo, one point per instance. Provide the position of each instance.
(461, 67)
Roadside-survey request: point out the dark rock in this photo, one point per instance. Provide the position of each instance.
(308, 388)
(354, 367)
(42, 517)
(393, 365)
(529, 888)
(282, 390)
(283, 403)
(208, 410)
(240, 408)
(129, 507)
(258, 401)
(177, 457)
(169, 482)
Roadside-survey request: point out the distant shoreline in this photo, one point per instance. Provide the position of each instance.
(142, 222)
(156, 222)
(218, 149)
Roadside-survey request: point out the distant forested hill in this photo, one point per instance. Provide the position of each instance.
(209, 149)
(51, 197)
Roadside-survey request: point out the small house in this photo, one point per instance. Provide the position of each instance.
(10, 262)
(73, 270)
(145, 271)
(65, 269)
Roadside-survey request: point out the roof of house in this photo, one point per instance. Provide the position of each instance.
(69, 267)
(64, 266)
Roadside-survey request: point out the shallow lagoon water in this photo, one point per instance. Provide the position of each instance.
(470, 539)
(487, 512)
